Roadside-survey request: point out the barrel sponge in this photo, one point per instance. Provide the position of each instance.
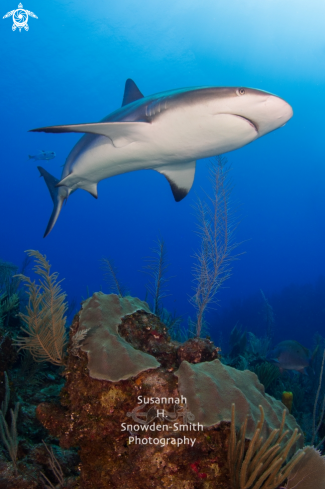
(110, 357)
(309, 473)
(212, 387)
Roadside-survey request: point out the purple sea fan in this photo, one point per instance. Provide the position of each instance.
(309, 473)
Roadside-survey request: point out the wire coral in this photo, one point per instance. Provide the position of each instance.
(44, 318)
(263, 466)
(56, 469)
(216, 230)
(157, 267)
(111, 277)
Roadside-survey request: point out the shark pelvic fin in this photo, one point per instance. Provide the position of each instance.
(131, 92)
(58, 194)
(120, 133)
(91, 188)
(180, 177)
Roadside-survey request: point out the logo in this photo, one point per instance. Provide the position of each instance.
(142, 417)
(20, 18)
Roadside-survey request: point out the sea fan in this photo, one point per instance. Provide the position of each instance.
(44, 318)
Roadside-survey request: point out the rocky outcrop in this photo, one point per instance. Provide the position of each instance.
(137, 431)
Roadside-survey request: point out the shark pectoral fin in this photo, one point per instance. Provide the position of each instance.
(120, 133)
(58, 194)
(180, 177)
(131, 93)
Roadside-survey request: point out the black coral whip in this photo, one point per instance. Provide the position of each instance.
(44, 318)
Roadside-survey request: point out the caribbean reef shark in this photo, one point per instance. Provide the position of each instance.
(166, 132)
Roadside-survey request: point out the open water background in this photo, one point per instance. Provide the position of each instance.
(71, 67)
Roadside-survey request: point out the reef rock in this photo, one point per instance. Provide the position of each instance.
(123, 396)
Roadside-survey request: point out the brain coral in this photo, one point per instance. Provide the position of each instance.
(211, 388)
(110, 357)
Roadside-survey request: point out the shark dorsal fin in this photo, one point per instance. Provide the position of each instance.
(131, 92)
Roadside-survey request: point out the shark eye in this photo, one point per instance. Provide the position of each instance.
(240, 91)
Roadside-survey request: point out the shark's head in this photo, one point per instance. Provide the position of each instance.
(264, 111)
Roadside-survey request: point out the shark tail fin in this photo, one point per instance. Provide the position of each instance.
(58, 195)
(30, 157)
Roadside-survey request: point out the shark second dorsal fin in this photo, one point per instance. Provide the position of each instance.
(131, 92)
(180, 177)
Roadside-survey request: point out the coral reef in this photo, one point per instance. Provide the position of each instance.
(156, 268)
(237, 341)
(110, 357)
(9, 437)
(287, 400)
(216, 227)
(263, 466)
(44, 321)
(210, 384)
(114, 424)
(267, 373)
(197, 350)
(143, 410)
(309, 473)
(23, 456)
(93, 411)
(27, 383)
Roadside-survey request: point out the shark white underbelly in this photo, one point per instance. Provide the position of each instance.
(161, 143)
(166, 132)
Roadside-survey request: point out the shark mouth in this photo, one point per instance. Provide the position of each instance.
(250, 122)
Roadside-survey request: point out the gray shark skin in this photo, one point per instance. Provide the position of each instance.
(166, 132)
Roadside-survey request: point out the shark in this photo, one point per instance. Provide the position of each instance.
(166, 132)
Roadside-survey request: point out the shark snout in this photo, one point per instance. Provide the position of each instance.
(274, 113)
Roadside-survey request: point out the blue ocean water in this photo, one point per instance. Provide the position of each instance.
(71, 67)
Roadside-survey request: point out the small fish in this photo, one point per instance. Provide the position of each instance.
(43, 155)
(290, 355)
